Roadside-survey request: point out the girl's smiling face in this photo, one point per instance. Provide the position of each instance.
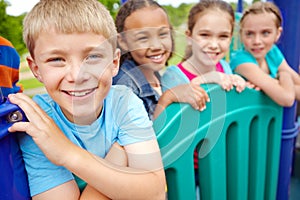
(210, 37)
(77, 71)
(258, 33)
(147, 37)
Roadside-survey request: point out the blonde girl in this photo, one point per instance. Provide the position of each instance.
(260, 61)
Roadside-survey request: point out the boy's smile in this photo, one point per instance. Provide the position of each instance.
(77, 71)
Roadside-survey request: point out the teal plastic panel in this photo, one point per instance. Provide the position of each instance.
(238, 138)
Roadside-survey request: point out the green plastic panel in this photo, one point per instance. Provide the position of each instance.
(238, 138)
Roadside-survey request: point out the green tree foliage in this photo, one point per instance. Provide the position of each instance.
(112, 6)
(178, 16)
(11, 28)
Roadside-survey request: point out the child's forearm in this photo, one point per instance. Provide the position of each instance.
(132, 183)
(287, 95)
(90, 193)
(297, 92)
(209, 77)
(164, 101)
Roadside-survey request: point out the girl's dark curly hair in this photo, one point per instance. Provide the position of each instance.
(126, 10)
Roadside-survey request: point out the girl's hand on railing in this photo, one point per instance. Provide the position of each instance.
(192, 94)
(252, 86)
(224, 80)
(238, 82)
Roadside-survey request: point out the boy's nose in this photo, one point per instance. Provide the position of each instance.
(75, 72)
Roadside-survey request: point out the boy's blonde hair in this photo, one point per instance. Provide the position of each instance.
(68, 16)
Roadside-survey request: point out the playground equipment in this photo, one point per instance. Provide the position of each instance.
(232, 166)
(238, 139)
(13, 177)
(289, 44)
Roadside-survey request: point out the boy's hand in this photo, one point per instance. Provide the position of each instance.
(43, 130)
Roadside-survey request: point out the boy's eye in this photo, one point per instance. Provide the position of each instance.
(93, 58)
(55, 60)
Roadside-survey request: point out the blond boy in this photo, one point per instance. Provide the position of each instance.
(72, 45)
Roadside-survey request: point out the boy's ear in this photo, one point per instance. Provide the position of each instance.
(122, 42)
(116, 62)
(34, 68)
(279, 31)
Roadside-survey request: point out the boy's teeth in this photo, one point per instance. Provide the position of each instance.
(79, 94)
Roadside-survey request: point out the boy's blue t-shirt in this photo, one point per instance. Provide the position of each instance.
(273, 58)
(123, 119)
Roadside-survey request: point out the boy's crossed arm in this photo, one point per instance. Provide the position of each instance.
(144, 172)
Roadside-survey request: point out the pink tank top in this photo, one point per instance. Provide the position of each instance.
(191, 76)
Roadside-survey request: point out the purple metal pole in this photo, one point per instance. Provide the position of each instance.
(290, 46)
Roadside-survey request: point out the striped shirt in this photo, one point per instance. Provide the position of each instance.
(9, 68)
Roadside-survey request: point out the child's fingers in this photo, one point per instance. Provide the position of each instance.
(19, 126)
(39, 123)
(201, 92)
(226, 85)
(205, 95)
(201, 99)
(202, 104)
(32, 111)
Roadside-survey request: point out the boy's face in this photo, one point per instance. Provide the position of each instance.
(77, 71)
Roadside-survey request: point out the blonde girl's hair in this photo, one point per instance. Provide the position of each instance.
(263, 7)
(200, 9)
(68, 16)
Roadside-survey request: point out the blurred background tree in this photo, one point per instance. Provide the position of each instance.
(11, 26)
(112, 5)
